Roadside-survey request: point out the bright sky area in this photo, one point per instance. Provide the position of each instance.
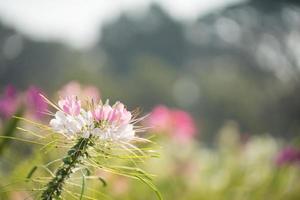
(77, 22)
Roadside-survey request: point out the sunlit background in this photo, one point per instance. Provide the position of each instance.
(220, 79)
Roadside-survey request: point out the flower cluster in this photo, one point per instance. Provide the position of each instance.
(106, 122)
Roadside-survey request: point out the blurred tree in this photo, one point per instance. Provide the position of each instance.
(155, 34)
(246, 58)
(24, 62)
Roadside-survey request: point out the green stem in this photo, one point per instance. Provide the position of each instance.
(9, 130)
(75, 156)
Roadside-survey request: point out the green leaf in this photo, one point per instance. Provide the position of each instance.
(102, 181)
(31, 172)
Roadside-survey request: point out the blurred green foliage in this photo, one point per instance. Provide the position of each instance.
(237, 168)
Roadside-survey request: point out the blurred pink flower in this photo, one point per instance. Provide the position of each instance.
(288, 155)
(120, 186)
(174, 122)
(160, 119)
(184, 123)
(83, 92)
(36, 105)
(20, 195)
(8, 102)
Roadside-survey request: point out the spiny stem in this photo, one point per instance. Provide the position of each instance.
(75, 156)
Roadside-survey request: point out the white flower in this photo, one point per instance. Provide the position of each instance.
(87, 122)
(125, 133)
(113, 133)
(65, 124)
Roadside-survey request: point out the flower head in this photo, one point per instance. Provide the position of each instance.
(102, 120)
(97, 135)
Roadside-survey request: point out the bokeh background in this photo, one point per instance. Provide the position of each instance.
(229, 71)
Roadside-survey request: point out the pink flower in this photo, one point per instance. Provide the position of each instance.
(117, 114)
(8, 102)
(160, 119)
(184, 123)
(102, 112)
(10, 91)
(288, 155)
(120, 114)
(35, 103)
(70, 105)
(83, 92)
(174, 122)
